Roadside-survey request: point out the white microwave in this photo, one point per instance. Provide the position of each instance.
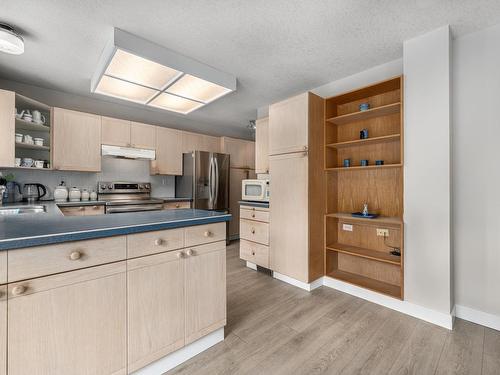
(255, 190)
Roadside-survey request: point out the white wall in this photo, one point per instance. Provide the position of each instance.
(476, 171)
(427, 182)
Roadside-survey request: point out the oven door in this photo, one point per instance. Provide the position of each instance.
(133, 208)
(253, 190)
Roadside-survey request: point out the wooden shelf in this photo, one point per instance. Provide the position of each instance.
(365, 253)
(365, 282)
(30, 168)
(357, 168)
(367, 141)
(31, 126)
(381, 220)
(32, 147)
(384, 110)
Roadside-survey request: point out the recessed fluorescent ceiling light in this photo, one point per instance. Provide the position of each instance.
(132, 68)
(10, 41)
(175, 103)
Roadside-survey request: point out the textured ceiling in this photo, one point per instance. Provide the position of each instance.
(276, 48)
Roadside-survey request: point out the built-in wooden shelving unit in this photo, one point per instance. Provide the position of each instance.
(354, 253)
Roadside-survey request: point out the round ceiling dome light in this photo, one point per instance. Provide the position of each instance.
(10, 41)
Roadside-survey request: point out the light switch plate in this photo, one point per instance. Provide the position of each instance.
(347, 227)
(383, 232)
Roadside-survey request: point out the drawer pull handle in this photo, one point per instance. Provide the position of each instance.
(253, 253)
(252, 230)
(177, 205)
(207, 233)
(190, 252)
(159, 242)
(253, 214)
(180, 254)
(75, 255)
(18, 290)
(81, 208)
(95, 207)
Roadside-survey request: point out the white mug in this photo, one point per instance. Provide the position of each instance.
(38, 117)
(28, 139)
(38, 164)
(27, 162)
(18, 162)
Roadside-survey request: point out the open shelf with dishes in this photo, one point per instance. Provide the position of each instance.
(364, 126)
(33, 124)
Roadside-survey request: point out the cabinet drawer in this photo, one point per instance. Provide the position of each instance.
(254, 231)
(154, 242)
(176, 205)
(94, 210)
(46, 260)
(254, 214)
(255, 253)
(200, 234)
(73, 211)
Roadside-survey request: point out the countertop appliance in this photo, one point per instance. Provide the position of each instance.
(255, 190)
(127, 197)
(12, 192)
(34, 191)
(205, 180)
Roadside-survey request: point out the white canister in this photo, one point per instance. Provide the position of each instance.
(19, 137)
(61, 193)
(74, 194)
(85, 195)
(38, 141)
(93, 195)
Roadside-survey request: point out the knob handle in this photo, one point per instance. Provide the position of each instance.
(18, 290)
(75, 255)
(252, 230)
(159, 242)
(81, 208)
(253, 252)
(207, 233)
(180, 254)
(190, 252)
(95, 207)
(177, 205)
(253, 214)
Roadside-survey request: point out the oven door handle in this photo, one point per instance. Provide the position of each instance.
(116, 210)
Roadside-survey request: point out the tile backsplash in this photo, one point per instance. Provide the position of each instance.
(112, 169)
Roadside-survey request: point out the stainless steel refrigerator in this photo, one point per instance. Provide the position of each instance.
(205, 179)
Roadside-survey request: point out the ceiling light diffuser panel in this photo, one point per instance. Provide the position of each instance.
(137, 70)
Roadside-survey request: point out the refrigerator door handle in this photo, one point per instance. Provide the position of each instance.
(216, 181)
(210, 178)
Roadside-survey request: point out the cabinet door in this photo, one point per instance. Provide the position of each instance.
(70, 323)
(241, 151)
(288, 125)
(142, 135)
(262, 146)
(168, 152)
(155, 307)
(3, 330)
(289, 214)
(211, 144)
(236, 175)
(73, 211)
(205, 283)
(192, 142)
(7, 128)
(115, 132)
(77, 141)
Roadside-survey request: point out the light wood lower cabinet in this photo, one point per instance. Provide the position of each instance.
(176, 205)
(82, 210)
(205, 289)
(155, 307)
(72, 323)
(3, 329)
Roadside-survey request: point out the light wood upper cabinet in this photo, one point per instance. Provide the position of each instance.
(168, 152)
(155, 307)
(262, 145)
(77, 141)
(7, 128)
(205, 289)
(71, 323)
(142, 135)
(115, 132)
(242, 152)
(210, 143)
(192, 142)
(289, 239)
(288, 125)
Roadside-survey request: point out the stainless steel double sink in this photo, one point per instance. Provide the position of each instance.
(20, 210)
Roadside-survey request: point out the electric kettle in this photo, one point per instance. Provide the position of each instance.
(34, 191)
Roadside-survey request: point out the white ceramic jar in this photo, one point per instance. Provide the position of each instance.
(75, 194)
(61, 193)
(93, 195)
(85, 195)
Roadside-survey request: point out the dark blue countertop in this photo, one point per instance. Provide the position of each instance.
(173, 199)
(27, 230)
(254, 204)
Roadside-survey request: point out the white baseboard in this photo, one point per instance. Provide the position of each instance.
(182, 355)
(299, 284)
(252, 265)
(405, 307)
(478, 317)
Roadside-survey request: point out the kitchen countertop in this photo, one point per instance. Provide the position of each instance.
(75, 204)
(254, 204)
(173, 199)
(25, 230)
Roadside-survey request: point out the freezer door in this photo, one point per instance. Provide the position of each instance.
(203, 188)
(221, 183)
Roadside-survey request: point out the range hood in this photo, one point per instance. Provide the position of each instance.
(128, 152)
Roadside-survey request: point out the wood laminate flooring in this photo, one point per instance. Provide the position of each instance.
(275, 328)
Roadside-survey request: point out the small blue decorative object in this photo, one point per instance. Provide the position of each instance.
(347, 163)
(363, 134)
(364, 106)
(379, 162)
(364, 163)
(360, 214)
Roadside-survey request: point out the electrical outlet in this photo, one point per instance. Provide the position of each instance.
(347, 227)
(383, 232)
